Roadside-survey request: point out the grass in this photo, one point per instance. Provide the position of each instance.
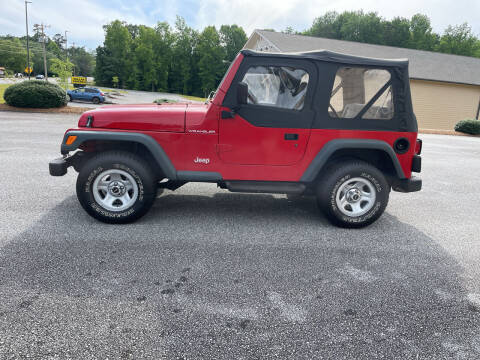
(186, 97)
(3, 87)
(165, 101)
(111, 90)
(194, 98)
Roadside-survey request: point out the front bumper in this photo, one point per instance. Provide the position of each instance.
(407, 185)
(59, 166)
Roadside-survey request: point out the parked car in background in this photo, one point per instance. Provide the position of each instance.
(40, 77)
(86, 94)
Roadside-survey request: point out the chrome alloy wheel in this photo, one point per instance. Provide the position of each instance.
(355, 197)
(115, 190)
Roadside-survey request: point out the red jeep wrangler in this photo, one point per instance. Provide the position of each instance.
(336, 126)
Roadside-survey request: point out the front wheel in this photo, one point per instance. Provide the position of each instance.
(96, 100)
(69, 97)
(353, 194)
(116, 187)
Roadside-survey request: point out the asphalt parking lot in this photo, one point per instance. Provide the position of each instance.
(211, 274)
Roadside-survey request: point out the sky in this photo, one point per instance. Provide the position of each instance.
(84, 18)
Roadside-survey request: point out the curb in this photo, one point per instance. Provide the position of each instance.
(62, 110)
(445, 132)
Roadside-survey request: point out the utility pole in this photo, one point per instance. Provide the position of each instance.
(66, 45)
(28, 49)
(73, 47)
(41, 28)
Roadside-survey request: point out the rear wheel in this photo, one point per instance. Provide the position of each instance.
(69, 97)
(353, 194)
(116, 187)
(96, 100)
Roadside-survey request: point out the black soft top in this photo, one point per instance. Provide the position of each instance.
(330, 56)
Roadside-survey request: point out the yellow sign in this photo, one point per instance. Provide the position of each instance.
(28, 70)
(80, 80)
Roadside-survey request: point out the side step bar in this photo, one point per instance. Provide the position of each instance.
(271, 187)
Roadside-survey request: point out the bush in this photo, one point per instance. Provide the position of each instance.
(35, 94)
(468, 126)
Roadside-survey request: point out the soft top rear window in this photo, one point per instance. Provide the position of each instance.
(364, 91)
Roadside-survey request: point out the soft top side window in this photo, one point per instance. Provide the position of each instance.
(277, 86)
(356, 88)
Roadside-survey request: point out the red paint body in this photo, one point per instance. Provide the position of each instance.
(236, 149)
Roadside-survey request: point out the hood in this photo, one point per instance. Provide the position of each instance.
(144, 117)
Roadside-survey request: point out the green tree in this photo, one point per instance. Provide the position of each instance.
(210, 55)
(179, 60)
(325, 26)
(144, 59)
(415, 33)
(83, 61)
(53, 49)
(114, 55)
(134, 30)
(13, 54)
(361, 27)
(232, 38)
(349, 25)
(397, 32)
(59, 39)
(104, 67)
(181, 67)
(162, 48)
(459, 40)
(422, 37)
(63, 69)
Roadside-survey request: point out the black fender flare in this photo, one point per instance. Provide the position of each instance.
(330, 147)
(155, 149)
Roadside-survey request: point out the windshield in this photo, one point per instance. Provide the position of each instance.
(211, 96)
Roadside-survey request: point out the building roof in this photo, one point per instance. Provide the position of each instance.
(425, 65)
(331, 56)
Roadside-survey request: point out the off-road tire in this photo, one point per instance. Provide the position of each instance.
(127, 163)
(338, 174)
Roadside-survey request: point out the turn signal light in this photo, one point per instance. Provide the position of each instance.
(70, 139)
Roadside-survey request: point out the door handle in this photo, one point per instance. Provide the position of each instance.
(291, 136)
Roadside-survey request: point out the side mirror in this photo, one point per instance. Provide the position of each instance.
(242, 93)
